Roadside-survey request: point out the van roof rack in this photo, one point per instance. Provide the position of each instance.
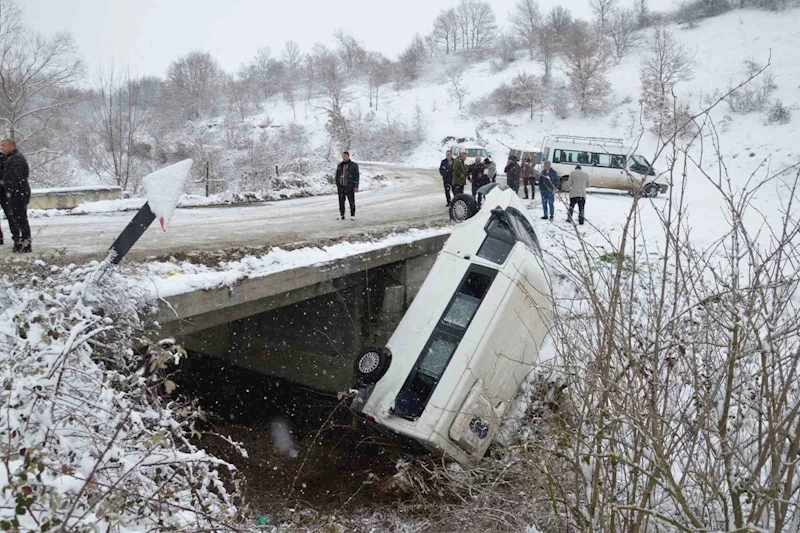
(592, 140)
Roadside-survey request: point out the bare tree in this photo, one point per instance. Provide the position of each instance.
(560, 19)
(194, 81)
(445, 30)
(477, 24)
(292, 62)
(239, 97)
(262, 69)
(351, 50)
(118, 123)
(602, 9)
(623, 31)
(35, 72)
(642, 11)
(586, 59)
(332, 81)
(379, 72)
(529, 19)
(547, 47)
(419, 124)
(456, 87)
(410, 61)
(530, 91)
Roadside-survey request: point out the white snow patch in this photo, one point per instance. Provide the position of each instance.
(164, 188)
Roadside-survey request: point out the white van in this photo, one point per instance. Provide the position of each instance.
(470, 337)
(610, 165)
(471, 151)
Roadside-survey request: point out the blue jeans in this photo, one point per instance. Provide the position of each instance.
(514, 188)
(548, 198)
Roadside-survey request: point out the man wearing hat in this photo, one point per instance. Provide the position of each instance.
(347, 177)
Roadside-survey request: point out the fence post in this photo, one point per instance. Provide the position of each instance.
(207, 179)
(276, 171)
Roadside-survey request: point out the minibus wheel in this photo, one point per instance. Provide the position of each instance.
(462, 207)
(372, 364)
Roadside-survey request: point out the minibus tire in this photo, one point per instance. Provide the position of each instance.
(462, 207)
(372, 364)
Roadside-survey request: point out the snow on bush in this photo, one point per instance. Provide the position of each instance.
(90, 439)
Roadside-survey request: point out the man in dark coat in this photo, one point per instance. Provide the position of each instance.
(17, 195)
(460, 172)
(476, 175)
(512, 174)
(347, 178)
(446, 171)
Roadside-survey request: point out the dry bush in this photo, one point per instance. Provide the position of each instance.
(754, 95)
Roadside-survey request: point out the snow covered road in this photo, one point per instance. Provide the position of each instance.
(87, 237)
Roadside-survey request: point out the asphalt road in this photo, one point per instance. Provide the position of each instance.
(85, 237)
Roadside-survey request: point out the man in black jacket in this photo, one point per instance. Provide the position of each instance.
(347, 178)
(17, 194)
(512, 174)
(446, 171)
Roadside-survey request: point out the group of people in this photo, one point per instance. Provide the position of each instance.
(15, 194)
(456, 172)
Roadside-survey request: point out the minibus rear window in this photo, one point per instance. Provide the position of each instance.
(443, 342)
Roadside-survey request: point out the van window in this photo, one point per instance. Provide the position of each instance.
(443, 342)
(498, 242)
(523, 229)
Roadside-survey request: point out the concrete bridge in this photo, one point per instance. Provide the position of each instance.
(306, 324)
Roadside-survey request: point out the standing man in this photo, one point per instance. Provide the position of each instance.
(17, 194)
(547, 188)
(529, 177)
(459, 174)
(490, 171)
(446, 171)
(579, 181)
(512, 174)
(476, 175)
(347, 178)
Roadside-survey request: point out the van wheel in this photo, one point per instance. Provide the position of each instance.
(372, 364)
(651, 190)
(462, 207)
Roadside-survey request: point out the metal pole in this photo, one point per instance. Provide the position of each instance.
(276, 171)
(206, 179)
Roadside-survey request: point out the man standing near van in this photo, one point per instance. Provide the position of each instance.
(459, 174)
(476, 175)
(547, 188)
(578, 181)
(446, 171)
(512, 174)
(529, 177)
(347, 178)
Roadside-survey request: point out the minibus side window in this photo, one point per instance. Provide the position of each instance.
(498, 242)
(443, 342)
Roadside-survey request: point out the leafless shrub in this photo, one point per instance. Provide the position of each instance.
(528, 20)
(692, 11)
(779, 114)
(642, 10)
(602, 10)
(524, 92)
(754, 95)
(456, 87)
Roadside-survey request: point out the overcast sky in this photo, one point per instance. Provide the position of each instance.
(148, 34)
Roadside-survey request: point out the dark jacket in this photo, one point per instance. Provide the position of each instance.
(548, 181)
(14, 177)
(512, 174)
(459, 173)
(476, 170)
(352, 177)
(446, 170)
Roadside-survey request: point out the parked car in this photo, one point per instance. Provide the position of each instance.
(471, 151)
(610, 165)
(472, 334)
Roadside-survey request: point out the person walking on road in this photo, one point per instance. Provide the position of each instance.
(529, 177)
(547, 188)
(446, 171)
(578, 181)
(347, 178)
(512, 174)
(459, 174)
(17, 194)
